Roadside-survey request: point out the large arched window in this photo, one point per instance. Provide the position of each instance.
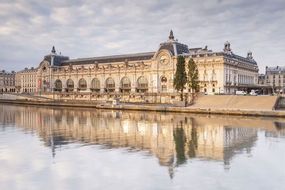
(110, 85)
(142, 84)
(82, 84)
(69, 85)
(95, 85)
(58, 85)
(125, 84)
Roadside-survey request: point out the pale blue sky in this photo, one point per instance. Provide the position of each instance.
(77, 28)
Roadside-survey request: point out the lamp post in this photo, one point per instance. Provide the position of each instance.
(152, 90)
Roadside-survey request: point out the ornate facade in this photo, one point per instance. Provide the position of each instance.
(137, 76)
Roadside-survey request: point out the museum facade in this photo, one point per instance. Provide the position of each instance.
(137, 76)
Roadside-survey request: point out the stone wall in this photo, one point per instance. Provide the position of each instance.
(164, 98)
(231, 102)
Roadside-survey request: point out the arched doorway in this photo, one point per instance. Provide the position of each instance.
(110, 85)
(95, 85)
(142, 84)
(125, 85)
(69, 85)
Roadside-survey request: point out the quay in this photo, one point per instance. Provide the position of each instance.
(268, 106)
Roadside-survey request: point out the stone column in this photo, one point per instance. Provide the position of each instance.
(88, 81)
(133, 83)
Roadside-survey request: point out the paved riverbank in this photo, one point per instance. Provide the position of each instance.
(232, 102)
(149, 107)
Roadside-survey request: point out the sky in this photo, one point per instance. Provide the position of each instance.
(89, 28)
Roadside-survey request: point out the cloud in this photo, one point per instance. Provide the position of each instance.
(77, 28)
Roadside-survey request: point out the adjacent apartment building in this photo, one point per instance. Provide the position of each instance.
(138, 75)
(26, 80)
(275, 77)
(7, 81)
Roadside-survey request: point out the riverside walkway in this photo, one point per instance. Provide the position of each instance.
(226, 104)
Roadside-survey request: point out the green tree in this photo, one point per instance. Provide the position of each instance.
(180, 78)
(192, 76)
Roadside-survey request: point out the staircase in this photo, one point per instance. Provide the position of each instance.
(280, 104)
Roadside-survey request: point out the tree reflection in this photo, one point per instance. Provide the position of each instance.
(180, 140)
(193, 143)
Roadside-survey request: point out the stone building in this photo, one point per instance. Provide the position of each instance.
(142, 76)
(261, 79)
(275, 77)
(26, 80)
(7, 81)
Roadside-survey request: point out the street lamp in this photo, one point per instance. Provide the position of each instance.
(152, 90)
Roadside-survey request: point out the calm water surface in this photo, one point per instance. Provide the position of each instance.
(59, 148)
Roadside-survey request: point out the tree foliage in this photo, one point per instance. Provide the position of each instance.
(192, 76)
(180, 78)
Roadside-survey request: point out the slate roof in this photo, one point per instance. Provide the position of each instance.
(195, 52)
(58, 59)
(232, 55)
(180, 48)
(110, 59)
(275, 70)
(3, 72)
(199, 50)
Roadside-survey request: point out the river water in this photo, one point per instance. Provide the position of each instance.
(68, 148)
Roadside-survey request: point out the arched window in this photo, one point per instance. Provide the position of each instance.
(163, 82)
(125, 84)
(95, 85)
(110, 85)
(58, 85)
(142, 84)
(82, 84)
(69, 85)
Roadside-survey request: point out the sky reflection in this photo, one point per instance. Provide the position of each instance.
(45, 148)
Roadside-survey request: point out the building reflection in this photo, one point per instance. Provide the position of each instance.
(172, 138)
(279, 133)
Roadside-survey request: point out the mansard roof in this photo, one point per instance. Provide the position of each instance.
(3, 72)
(174, 47)
(28, 70)
(110, 59)
(199, 52)
(58, 59)
(275, 70)
(232, 55)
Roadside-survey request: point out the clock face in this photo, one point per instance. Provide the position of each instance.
(164, 59)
